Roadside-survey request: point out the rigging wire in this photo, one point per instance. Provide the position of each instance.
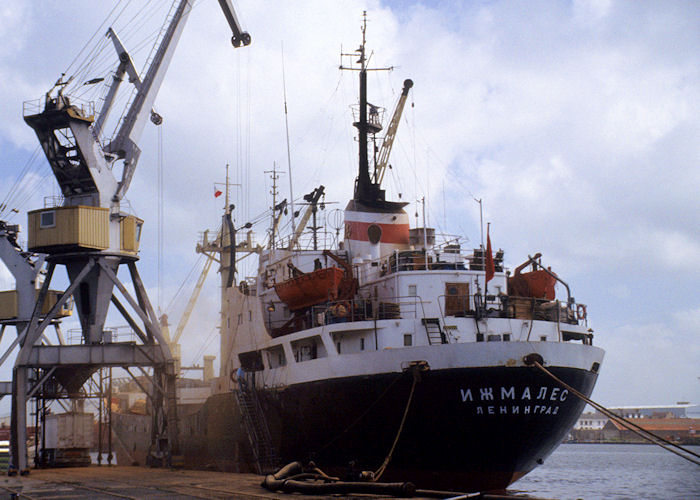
(640, 431)
(161, 33)
(248, 134)
(33, 189)
(329, 133)
(18, 184)
(96, 57)
(188, 279)
(134, 27)
(99, 28)
(203, 347)
(248, 167)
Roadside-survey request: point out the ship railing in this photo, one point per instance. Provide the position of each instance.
(324, 239)
(249, 286)
(418, 260)
(53, 201)
(111, 334)
(347, 311)
(398, 307)
(37, 106)
(506, 306)
(33, 107)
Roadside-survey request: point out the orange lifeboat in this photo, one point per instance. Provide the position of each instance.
(537, 284)
(309, 289)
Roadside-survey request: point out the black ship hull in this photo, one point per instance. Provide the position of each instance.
(468, 429)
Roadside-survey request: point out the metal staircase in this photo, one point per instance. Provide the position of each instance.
(264, 452)
(435, 333)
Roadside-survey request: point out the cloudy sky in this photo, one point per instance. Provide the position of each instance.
(575, 122)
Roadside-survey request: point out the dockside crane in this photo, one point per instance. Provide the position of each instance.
(92, 236)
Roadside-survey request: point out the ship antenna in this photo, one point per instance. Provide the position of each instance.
(227, 206)
(274, 176)
(289, 155)
(481, 221)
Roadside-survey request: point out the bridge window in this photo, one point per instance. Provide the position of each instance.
(309, 348)
(251, 361)
(276, 357)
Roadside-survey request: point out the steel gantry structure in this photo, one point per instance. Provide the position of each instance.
(92, 236)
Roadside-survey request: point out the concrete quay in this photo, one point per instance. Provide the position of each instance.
(109, 482)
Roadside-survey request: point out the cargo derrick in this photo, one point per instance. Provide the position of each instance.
(92, 237)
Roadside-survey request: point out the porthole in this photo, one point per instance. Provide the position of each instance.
(374, 233)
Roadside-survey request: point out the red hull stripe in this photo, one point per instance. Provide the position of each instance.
(391, 233)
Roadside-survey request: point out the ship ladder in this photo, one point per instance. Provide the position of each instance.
(264, 452)
(434, 331)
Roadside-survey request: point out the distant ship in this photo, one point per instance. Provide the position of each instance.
(390, 339)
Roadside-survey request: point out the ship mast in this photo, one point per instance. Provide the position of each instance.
(366, 191)
(363, 181)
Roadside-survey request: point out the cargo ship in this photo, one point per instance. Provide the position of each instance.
(389, 350)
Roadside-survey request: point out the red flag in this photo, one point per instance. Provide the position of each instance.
(490, 267)
(217, 193)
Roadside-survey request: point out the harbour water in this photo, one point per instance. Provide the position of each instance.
(613, 471)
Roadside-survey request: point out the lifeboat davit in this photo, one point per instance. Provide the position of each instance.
(311, 288)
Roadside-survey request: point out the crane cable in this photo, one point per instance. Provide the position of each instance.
(643, 433)
(187, 279)
(160, 218)
(15, 190)
(203, 347)
(99, 28)
(21, 190)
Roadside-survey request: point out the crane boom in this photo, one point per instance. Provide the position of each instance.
(281, 208)
(312, 198)
(124, 145)
(190, 304)
(385, 150)
(239, 37)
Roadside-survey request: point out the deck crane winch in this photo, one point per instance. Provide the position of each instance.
(92, 237)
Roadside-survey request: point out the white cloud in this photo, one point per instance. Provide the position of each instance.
(591, 11)
(652, 363)
(13, 16)
(573, 122)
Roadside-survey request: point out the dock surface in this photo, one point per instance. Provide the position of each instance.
(110, 482)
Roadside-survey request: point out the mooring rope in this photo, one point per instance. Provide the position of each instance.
(643, 433)
(378, 473)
